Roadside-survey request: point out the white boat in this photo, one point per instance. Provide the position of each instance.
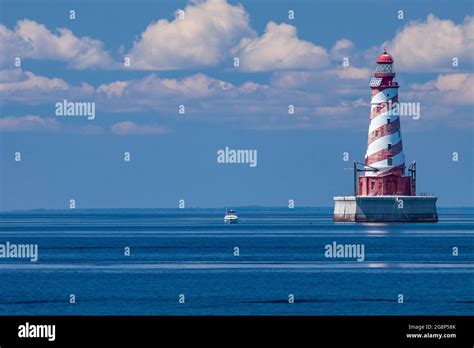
(231, 217)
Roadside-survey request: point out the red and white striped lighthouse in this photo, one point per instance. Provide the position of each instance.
(384, 160)
(384, 193)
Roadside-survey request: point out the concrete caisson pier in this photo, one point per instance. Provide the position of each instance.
(385, 209)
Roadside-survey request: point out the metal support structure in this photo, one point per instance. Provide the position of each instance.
(412, 170)
(357, 170)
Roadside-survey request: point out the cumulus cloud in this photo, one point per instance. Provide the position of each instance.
(131, 128)
(279, 48)
(205, 98)
(33, 40)
(195, 86)
(342, 48)
(153, 90)
(17, 80)
(333, 80)
(202, 38)
(333, 110)
(452, 89)
(249, 105)
(432, 44)
(197, 91)
(115, 88)
(351, 73)
(36, 123)
(27, 87)
(28, 123)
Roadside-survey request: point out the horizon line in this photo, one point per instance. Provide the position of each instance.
(194, 208)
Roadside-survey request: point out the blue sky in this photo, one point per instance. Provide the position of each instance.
(189, 61)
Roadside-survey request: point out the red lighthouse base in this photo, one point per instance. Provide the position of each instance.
(388, 185)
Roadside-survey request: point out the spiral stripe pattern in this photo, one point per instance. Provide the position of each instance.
(384, 146)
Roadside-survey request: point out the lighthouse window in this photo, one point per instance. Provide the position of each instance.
(376, 134)
(389, 161)
(384, 68)
(375, 81)
(372, 185)
(389, 146)
(388, 121)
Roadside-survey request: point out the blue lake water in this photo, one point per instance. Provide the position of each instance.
(191, 252)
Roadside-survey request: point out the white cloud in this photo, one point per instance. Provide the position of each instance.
(447, 89)
(17, 80)
(113, 89)
(332, 110)
(195, 86)
(333, 80)
(202, 38)
(28, 123)
(343, 108)
(351, 73)
(248, 105)
(29, 88)
(30, 39)
(432, 44)
(457, 82)
(341, 49)
(152, 87)
(279, 49)
(444, 102)
(131, 128)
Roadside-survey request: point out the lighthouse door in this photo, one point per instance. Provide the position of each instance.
(391, 188)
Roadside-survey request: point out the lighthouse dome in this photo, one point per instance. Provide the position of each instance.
(385, 58)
